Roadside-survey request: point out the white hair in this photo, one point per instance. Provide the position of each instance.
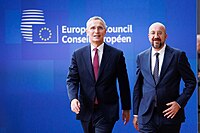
(96, 18)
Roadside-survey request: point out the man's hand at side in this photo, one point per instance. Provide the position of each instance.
(125, 116)
(75, 106)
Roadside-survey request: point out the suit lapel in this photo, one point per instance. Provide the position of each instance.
(88, 61)
(105, 58)
(149, 64)
(166, 61)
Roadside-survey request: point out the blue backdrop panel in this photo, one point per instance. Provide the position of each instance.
(37, 40)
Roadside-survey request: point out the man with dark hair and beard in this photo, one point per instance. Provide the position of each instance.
(157, 102)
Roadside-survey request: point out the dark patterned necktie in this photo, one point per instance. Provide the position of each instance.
(156, 69)
(96, 63)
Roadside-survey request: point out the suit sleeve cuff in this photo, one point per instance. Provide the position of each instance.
(178, 104)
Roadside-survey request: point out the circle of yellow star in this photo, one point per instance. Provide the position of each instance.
(45, 38)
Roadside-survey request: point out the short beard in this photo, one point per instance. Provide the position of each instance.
(158, 46)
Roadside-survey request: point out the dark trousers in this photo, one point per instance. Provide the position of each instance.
(156, 125)
(98, 123)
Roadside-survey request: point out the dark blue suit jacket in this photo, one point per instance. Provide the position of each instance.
(83, 86)
(174, 68)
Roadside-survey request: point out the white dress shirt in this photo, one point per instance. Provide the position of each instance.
(100, 52)
(161, 58)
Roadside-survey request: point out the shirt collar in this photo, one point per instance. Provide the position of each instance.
(160, 51)
(100, 47)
